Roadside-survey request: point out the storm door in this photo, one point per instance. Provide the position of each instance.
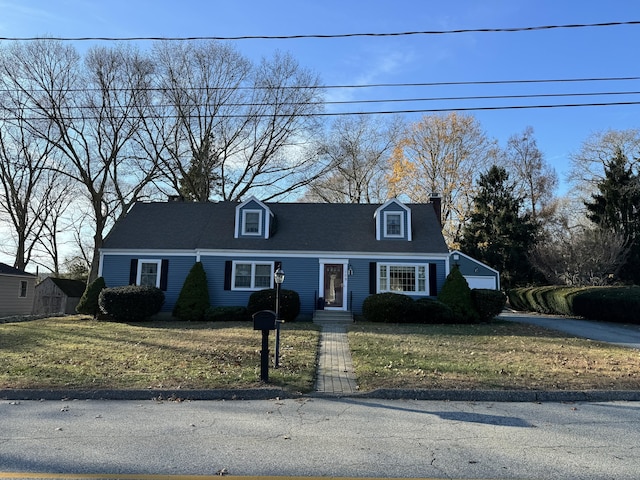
(333, 285)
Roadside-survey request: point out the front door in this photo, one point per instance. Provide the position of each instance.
(333, 285)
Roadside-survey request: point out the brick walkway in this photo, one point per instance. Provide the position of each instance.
(335, 376)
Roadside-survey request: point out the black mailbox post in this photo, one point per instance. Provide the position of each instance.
(264, 320)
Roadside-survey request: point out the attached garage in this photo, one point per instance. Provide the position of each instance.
(477, 274)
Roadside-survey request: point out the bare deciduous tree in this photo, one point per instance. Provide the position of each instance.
(535, 179)
(443, 154)
(358, 150)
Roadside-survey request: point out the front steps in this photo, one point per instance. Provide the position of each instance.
(332, 317)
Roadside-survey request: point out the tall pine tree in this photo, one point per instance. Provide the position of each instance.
(616, 208)
(497, 233)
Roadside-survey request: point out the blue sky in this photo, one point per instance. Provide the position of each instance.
(466, 57)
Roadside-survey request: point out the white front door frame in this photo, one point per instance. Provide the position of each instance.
(345, 275)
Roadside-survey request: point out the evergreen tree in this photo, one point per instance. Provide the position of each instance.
(497, 233)
(193, 300)
(88, 303)
(457, 295)
(615, 209)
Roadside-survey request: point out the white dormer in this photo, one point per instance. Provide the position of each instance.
(253, 219)
(393, 221)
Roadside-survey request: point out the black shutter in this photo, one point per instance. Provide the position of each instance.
(133, 271)
(433, 280)
(227, 274)
(164, 273)
(277, 265)
(373, 279)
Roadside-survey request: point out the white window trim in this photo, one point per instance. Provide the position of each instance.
(26, 289)
(253, 264)
(415, 266)
(386, 220)
(244, 222)
(158, 262)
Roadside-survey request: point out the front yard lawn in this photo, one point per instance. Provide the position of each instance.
(81, 353)
(497, 356)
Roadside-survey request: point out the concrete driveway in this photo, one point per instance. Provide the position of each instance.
(617, 334)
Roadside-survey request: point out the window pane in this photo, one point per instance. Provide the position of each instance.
(422, 284)
(148, 274)
(383, 278)
(23, 288)
(243, 275)
(393, 225)
(402, 279)
(251, 222)
(263, 276)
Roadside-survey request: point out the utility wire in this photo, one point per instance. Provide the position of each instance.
(366, 85)
(338, 35)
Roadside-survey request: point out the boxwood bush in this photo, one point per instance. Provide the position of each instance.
(227, 314)
(488, 303)
(430, 310)
(388, 308)
(131, 303)
(266, 300)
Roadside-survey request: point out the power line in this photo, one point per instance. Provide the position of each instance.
(379, 112)
(367, 85)
(338, 35)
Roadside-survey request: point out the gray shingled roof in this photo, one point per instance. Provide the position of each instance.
(317, 227)
(8, 270)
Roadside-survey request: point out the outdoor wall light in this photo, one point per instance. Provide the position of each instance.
(349, 269)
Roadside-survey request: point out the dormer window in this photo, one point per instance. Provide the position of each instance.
(393, 224)
(393, 221)
(251, 222)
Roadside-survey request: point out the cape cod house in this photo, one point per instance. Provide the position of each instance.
(340, 253)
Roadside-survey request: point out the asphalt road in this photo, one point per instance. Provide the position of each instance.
(322, 437)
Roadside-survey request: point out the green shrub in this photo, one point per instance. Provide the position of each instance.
(388, 308)
(488, 303)
(193, 300)
(88, 304)
(457, 295)
(430, 310)
(227, 314)
(131, 303)
(609, 304)
(555, 300)
(266, 300)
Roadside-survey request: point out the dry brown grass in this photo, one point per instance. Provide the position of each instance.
(498, 356)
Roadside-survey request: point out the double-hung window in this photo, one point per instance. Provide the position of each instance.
(252, 222)
(149, 273)
(23, 288)
(402, 278)
(393, 224)
(252, 275)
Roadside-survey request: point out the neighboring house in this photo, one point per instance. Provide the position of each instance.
(341, 253)
(57, 296)
(477, 274)
(16, 291)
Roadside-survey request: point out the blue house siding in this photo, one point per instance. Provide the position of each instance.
(116, 270)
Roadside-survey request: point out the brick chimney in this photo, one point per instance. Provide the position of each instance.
(436, 201)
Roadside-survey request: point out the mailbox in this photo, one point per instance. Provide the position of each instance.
(264, 320)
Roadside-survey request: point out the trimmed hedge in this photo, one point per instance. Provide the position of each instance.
(609, 304)
(266, 300)
(488, 303)
(388, 308)
(227, 314)
(429, 310)
(132, 303)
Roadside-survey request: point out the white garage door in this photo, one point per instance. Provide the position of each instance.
(481, 282)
